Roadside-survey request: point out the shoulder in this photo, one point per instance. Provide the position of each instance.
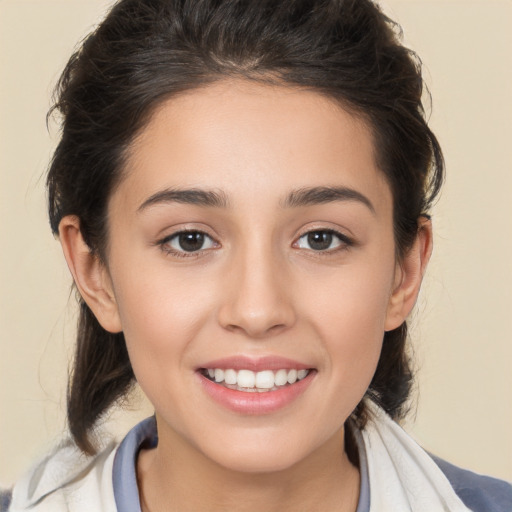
(66, 479)
(5, 500)
(480, 493)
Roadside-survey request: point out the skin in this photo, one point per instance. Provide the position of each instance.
(256, 289)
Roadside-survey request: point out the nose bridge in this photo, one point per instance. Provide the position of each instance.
(256, 299)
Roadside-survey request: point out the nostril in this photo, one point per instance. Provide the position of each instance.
(257, 307)
(255, 331)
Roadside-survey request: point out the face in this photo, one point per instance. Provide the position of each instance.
(252, 262)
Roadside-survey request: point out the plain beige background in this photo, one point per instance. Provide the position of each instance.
(463, 334)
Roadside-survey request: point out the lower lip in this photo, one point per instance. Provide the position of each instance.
(255, 403)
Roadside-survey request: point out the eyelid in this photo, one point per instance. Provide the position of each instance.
(346, 241)
(164, 243)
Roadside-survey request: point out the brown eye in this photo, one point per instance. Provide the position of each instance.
(319, 240)
(323, 240)
(188, 241)
(191, 241)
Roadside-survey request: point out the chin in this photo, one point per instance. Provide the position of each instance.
(252, 452)
(264, 462)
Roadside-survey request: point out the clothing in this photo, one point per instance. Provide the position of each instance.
(5, 500)
(396, 475)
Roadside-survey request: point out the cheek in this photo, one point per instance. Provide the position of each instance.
(349, 316)
(353, 299)
(161, 314)
(353, 338)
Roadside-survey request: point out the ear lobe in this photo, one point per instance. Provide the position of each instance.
(409, 275)
(90, 274)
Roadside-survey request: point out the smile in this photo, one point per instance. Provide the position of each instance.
(255, 386)
(254, 382)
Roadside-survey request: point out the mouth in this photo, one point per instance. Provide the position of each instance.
(255, 386)
(249, 381)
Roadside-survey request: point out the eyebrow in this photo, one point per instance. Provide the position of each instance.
(308, 196)
(195, 196)
(322, 195)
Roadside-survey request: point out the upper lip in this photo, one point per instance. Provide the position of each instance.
(256, 364)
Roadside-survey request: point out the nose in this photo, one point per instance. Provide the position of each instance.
(257, 299)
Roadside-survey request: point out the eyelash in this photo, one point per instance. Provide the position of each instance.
(164, 244)
(344, 243)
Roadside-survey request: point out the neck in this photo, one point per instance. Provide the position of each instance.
(172, 477)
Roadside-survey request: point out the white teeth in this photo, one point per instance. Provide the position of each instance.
(301, 374)
(281, 377)
(230, 377)
(265, 379)
(292, 376)
(247, 380)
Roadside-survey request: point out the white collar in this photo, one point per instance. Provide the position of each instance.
(403, 477)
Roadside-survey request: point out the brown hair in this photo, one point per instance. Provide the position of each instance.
(146, 51)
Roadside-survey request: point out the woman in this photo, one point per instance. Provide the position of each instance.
(242, 192)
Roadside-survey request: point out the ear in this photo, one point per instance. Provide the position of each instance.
(408, 276)
(90, 274)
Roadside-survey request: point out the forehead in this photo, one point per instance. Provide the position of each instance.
(269, 138)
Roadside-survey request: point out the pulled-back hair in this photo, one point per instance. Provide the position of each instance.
(146, 51)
